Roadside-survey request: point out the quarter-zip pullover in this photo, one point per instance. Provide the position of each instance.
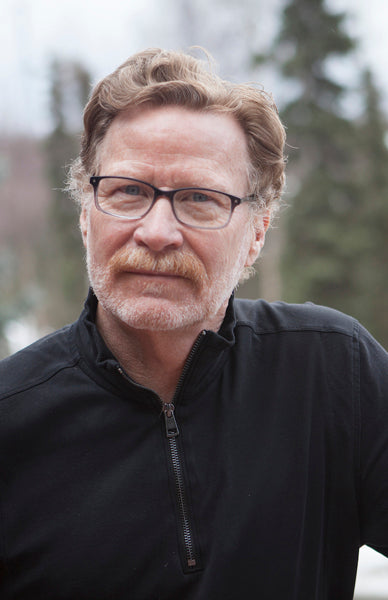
(260, 479)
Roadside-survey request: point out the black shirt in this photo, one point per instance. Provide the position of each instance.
(263, 483)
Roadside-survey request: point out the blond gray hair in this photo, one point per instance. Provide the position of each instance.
(159, 77)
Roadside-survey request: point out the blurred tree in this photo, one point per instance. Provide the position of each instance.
(371, 270)
(320, 237)
(63, 271)
(336, 229)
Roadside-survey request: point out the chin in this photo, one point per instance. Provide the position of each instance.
(150, 308)
(154, 314)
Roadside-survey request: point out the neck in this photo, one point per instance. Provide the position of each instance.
(154, 359)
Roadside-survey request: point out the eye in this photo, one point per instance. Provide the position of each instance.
(200, 197)
(131, 190)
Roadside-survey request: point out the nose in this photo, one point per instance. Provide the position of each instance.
(159, 230)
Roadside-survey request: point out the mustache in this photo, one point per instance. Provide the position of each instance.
(182, 263)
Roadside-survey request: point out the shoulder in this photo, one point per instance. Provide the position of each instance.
(321, 333)
(276, 317)
(37, 363)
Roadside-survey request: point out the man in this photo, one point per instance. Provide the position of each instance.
(175, 443)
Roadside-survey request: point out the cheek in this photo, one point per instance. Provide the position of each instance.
(241, 249)
(106, 237)
(218, 256)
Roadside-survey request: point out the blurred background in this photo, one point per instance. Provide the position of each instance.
(325, 63)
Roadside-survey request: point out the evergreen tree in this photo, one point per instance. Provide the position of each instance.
(320, 234)
(371, 270)
(337, 225)
(63, 269)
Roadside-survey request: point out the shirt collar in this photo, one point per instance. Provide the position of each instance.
(95, 350)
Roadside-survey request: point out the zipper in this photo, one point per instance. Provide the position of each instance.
(172, 432)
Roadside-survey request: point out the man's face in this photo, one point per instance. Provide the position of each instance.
(155, 273)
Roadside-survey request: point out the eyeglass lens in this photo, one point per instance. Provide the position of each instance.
(131, 199)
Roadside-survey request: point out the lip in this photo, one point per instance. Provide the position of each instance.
(145, 273)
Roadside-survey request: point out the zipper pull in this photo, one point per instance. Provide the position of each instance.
(169, 420)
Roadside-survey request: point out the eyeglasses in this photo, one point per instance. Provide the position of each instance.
(132, 199)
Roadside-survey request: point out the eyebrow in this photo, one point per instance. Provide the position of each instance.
(194, 183)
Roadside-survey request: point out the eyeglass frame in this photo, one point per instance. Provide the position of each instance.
(169, 194)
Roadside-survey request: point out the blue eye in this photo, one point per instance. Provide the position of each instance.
(200, 197)
(132, 190)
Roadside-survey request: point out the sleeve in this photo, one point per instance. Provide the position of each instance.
(372, 385)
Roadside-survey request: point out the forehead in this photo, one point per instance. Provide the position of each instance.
(152, 138)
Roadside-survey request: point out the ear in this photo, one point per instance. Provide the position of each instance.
(260, 226)
(83, 224)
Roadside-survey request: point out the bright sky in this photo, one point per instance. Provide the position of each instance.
(102, 33)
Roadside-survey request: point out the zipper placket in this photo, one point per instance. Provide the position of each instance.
(172, 432)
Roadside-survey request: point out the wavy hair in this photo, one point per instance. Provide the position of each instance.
(157, 77)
